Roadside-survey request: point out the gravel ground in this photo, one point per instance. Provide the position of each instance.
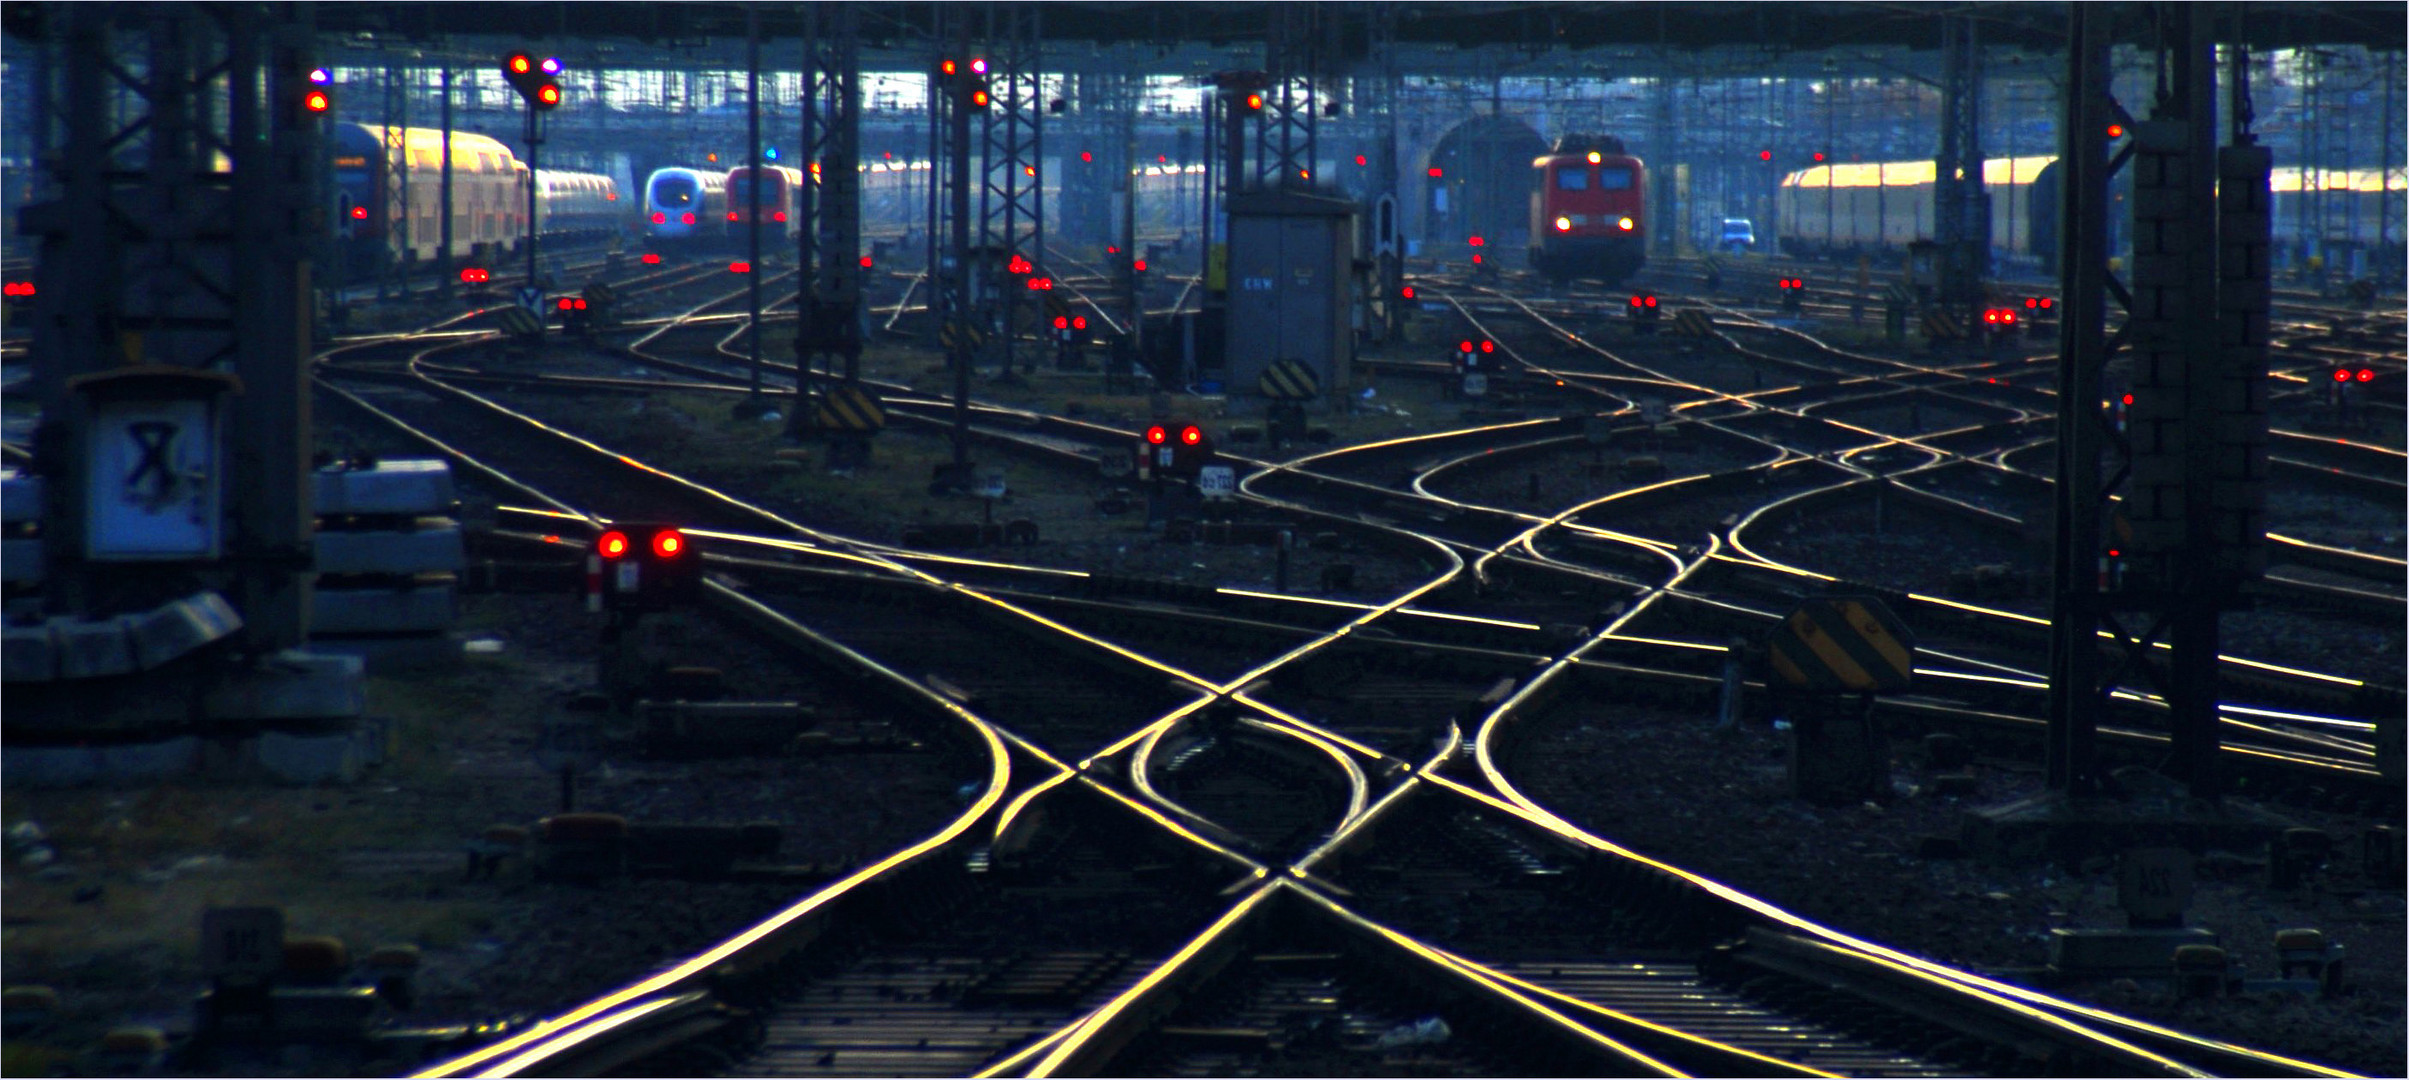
(1852, 868)
(380, 862)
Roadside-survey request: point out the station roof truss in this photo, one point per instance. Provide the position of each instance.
(1424, 29)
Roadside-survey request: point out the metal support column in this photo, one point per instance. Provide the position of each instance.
(392, 277)
(1011, 215)
(1961, 212)
(828, 335)
(954, 273)
(153, 254)
(443, 251)
(2077, 694)
(1285, 143)
(1376, 99)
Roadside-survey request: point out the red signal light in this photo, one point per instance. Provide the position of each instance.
(547, 95)
(1078, 322)
(473, 275)
(1139, 266)
(1191, 435)
(946, 68)
(1407, 292)
(865, 262)
(359, 213)
(1086, 156)
(2008, 317)
(1764, 155)
(1359, 159)
(731, 215)
(686, 218)
(1156, 435)
(2341, 374)
(2045, 303)
(1475, 241)
(2367, 374)
(659, 218)
(1476, 259)
(1061, 323)
(612, 544)
(978, 99)
(740, 268)
(564, 303)
(2128, 399)
(1990, 315)
(668, 543)
(1651, 301)
(18, 288)
(1635, 301)
(2116, 131)
(1254, 102)
(779, 216)
(652, 258)
(1436, 172)
(520, 64)
(1039, 284)
(1488, 346)
(1463, 346)
(1819, 155)
(316, 101)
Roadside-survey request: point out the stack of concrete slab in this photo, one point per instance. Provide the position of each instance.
(20, 529)
(389, 558)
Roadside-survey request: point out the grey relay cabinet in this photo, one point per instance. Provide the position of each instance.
(1291, 288)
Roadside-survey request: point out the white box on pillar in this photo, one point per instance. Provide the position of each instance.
(153, 463)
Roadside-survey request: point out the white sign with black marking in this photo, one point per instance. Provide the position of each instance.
(1217, 482)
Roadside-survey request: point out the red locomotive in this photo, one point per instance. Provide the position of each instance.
(1587, 213)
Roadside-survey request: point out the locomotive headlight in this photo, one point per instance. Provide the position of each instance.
(1623, 224)
(1564, 224)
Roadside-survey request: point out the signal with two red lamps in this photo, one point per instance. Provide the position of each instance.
(1645, 311)
(638, 567)
(1175, 451)
(1794, 292)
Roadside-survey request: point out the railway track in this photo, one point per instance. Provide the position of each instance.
(1213, 772)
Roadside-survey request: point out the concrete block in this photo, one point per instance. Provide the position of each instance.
(418, 609)
(414, 486)
(294, 685)
(90, 649)
(2114, 953)
(425, 551)
(313, 758)
(28, 653)
(20, 497)
(69, 766)
(180, 626)
(21, 559)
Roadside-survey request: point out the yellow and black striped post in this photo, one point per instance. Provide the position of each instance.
(1289, 380)
(1840, 644)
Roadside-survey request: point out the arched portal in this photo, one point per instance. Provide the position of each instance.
(1484, 184)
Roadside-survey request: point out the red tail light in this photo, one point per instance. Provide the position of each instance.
(659, 218)
(686, 218)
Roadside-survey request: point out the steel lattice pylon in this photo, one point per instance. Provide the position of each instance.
(188, 190)
(830, 239)
(1011, 215)
(1285, 139)
(1961, 212)
(390, 277)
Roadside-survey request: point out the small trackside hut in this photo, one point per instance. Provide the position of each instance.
(1291, 289)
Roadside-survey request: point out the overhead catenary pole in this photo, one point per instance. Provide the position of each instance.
(443, 254)
(753, 404)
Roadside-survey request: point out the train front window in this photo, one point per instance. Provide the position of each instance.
(674, 191)
(1614, 179)
(1572, 179)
